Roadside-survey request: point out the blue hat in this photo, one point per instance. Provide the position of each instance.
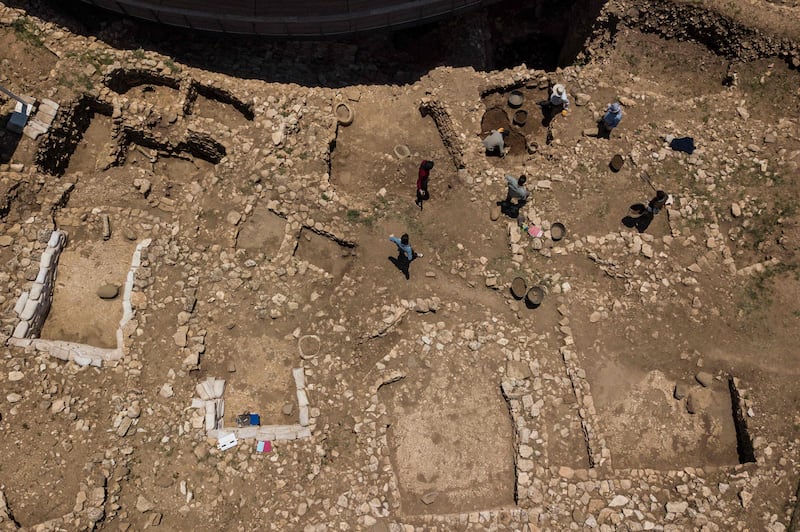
(615, 107)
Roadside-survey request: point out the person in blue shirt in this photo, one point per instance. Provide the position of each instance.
(610, 120)
(405, 254)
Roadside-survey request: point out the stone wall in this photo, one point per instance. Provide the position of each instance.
(684, 21)
(210, 407)
(33, 305)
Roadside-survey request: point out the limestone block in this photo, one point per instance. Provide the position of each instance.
(55, 240)
(247, 433)
(202, 391)
(30, 310)
(208, 386)
(304, 416)
(219, 387)
(21, 329)
(265, 433)
(302, 398)
(304, 432)
(59, 352)
(112, 354)
(286, 434)
(136, 261)
(127, 312)
(23, 299)
(299, 378)
(43, 275)
(47, 258)
(79, 359)
(36, 291)
(211, 416)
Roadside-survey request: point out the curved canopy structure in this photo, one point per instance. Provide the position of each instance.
(295, 18)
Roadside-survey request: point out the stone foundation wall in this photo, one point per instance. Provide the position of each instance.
(33, 305)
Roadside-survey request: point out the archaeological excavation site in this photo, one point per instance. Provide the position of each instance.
(235, 294)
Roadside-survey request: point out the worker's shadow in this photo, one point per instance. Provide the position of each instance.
(402, 264)
(638, 218)
(547, 112)
(509, 209)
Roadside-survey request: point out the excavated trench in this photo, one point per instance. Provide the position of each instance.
(218, 95)
(56, 149)
(122, 80)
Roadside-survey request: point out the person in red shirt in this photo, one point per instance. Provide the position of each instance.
(422, 182)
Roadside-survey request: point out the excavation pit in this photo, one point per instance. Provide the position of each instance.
(80, 140)
(363, 158)
(213, 102)
(496, 118)
(145, 85)
(77, 314)
(649, 428)
(143, 178)
(324, 252)
(262, 382)
(499, 112)
(450, 434)
(263, 232)
(88, 155)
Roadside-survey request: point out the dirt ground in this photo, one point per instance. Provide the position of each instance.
(412, 422)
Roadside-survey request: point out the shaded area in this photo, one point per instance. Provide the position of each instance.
(219, 95)
(502, 34)
(316, 18)
(744, 443)
(122, 80)
(60, 143)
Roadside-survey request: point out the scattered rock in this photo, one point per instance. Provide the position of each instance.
(143, 505)
(618, 501)
(234, 218)
(428, 498)
(698, 400)
(15, 376)
(677, 507)
(743, 113)
(582, 99)
(166, 391)
(745, 497)
(736, 210)
(704, 378)
(108, 291)
(681, 391)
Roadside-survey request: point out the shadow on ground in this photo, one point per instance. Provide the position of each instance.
(540, 33)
